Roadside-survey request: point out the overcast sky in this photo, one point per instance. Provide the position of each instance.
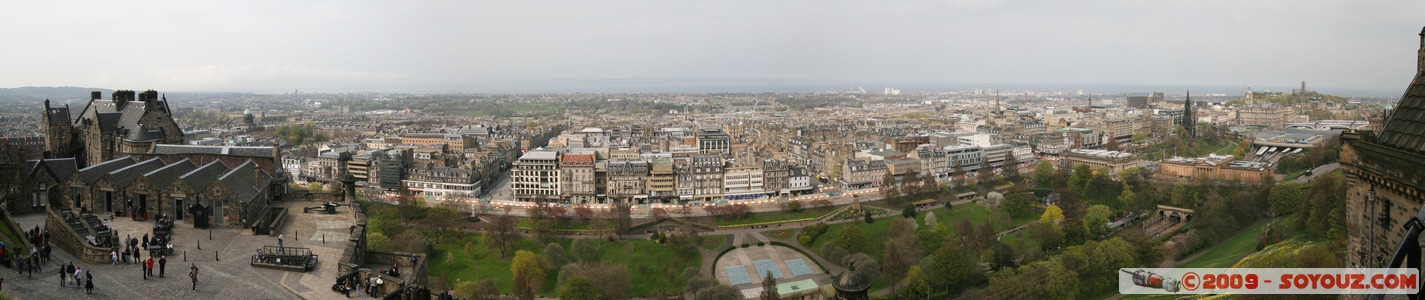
(277, 46)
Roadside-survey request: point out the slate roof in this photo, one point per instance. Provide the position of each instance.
(239, 180)
(112, 116)
(165, 176)
(1406, 127)
(59, 113)
(249, 151)
(92, 173)
(61, 168)
(124, 176)
(204, 176)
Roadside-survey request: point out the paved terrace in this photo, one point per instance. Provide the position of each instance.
(223, 267)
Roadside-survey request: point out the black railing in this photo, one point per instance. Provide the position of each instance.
(1408, 253)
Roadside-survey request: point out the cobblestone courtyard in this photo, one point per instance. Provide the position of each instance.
(222, 261)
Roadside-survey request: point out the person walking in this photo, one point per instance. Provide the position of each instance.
(20, 268)
(162, 263)
(78, 274)
(144, 268)
(89, 282)
(34, 264)
(193, 273)
(148, 267)
(279, 244)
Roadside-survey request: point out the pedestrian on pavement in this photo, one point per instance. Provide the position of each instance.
(34, 264)
(162, 262)
(64, 274)
(136, 252)
(20, 267)
(193, 273)
(279, 244)
(114, 256)
(144, 268)
(148, 267)
(89, 283)
(145, 240)
(78, 274)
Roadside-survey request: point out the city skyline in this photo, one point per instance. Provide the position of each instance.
(700, 46)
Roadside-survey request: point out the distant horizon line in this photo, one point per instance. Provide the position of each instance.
(712, 85)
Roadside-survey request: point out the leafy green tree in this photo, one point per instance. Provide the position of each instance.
(1044, 172)
(577, 288)
(1097, 216)
(1017, 203)
(554, 254)
(1051, 215)
(851, 239)
(1128, 198)
(583, 250)
(1285, 198)
(951, 268)
(467, 290)
(930, 219)
(379, 241)
(1079, 181)
(794, 205)
(528, 269)
(915, 284)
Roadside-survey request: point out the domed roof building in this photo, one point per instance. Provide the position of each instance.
(851, 285)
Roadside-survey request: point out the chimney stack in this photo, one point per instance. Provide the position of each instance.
(96, 95)
(1420, 68)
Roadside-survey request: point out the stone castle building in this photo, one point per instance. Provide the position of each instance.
(1384, 185)
(128, 123)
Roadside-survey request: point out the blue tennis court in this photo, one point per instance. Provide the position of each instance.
(798, 267)
(766, 265)
(736, 275)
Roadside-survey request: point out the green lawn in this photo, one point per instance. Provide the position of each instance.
(652, 267)
(769, 217)
(784, 235)
(1227, 253)
(1023, 235)
(13, 235)
(712, 242)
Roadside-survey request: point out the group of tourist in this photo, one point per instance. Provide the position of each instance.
(38, 255)
(81, 278)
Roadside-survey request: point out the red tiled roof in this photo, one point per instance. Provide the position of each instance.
(576, 159)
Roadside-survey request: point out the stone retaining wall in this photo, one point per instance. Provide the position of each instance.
(66, 239)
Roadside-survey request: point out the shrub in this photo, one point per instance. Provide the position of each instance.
(760, 244)
(745, 245)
